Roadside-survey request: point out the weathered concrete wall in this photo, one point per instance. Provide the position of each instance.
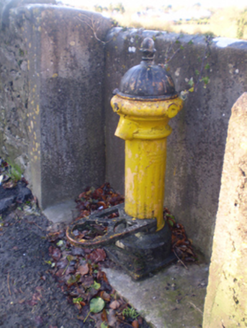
(66, 65)
(226, 303)
(196, 146)
(14, 85)
(60, 120)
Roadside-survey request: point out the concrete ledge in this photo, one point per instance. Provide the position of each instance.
(60, 213)
(172, 298)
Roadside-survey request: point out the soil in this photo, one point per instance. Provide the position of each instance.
(29, 295)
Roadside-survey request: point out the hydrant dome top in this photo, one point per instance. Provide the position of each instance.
(147, 81)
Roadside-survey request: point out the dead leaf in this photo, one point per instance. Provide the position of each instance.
(102, 276)
(55, 253)
(97, 255)
(87, 282)
(83, 269)
(114, 305)
(112, 319)
(135, 324)
(106, 297)
(104, 316)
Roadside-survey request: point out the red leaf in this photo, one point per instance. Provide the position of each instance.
(97, 255)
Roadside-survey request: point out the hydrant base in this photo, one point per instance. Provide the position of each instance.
(143, 253)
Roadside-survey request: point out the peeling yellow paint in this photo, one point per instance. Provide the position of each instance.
(144, 127)
(37, 110)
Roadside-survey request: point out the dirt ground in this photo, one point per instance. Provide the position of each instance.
(29, 295)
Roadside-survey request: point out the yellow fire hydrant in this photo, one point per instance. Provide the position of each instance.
(146, 101)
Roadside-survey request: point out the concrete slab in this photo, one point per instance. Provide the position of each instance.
(172, 298)
(60, 213)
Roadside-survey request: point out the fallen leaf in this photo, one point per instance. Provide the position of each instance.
(102, 276)
(87, 281)
(55, 253)
(114, 305)
(83, 269)
(135, 324)
(104, 316)
(96, 285)
(106, 297)
(112, 319)
(97, 255)
(96, 305)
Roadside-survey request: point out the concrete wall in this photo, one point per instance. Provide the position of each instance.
(64, 118)
(226, 303)
(196, 146)
(66, 78)
(14, 88)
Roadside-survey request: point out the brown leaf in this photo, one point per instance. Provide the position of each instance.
(55, 253)
(97, 255)
(87, 282)
(104, 316)
(106, 297)
(114, 305)
(112, 319)
(102, 276)
(83, 269)
(135, 324)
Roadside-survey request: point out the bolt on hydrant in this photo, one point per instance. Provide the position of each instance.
(139, 240)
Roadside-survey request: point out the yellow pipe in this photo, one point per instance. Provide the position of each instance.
(144, 127)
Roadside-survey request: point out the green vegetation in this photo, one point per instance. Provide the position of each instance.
(130, 312)
(228, 22)
(241, 23)
(15, 171)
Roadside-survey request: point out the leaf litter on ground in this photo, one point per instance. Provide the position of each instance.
(79, 272)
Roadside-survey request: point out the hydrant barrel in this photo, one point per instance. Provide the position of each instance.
(146, 101)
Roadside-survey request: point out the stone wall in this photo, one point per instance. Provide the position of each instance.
(196, 146)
